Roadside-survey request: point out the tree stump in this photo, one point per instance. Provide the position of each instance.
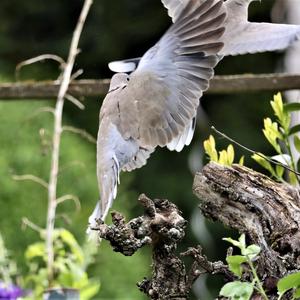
(266, 211)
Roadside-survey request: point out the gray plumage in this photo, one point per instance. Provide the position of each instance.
(240, 37)
(156, 104)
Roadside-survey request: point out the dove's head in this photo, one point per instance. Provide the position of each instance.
(118, 81)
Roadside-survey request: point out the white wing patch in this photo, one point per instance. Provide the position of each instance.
(184, 139)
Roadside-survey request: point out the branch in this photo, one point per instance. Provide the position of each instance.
(74, 198)
(163, 226)
(33, 178)
(27, 223)
(267, 211)
(38, 59)
(202, 265)
(52, 190)
(228, 84)
(80, 132)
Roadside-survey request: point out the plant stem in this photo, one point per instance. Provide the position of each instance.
(52, 189)
(288, 145)
(257, 280)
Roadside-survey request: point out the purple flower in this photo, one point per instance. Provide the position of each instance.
(9, 292)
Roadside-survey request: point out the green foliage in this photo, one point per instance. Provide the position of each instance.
(291, 281)
(20, 131)
(70, 264)
(238, 289)
(225, 157)
(278, 134)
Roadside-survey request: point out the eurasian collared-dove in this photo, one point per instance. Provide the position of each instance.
(156, 104)
(240, 37)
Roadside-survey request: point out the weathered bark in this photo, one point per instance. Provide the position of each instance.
(162, 226)
(229, 84)
(266, 211)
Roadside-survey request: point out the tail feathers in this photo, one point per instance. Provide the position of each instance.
(108, 182)
(91, 232)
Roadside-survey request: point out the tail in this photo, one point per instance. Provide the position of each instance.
(108, 178)
(92, 226)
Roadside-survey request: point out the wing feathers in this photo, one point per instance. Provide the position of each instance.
(163, 93)
(184, 139)
(138, 160)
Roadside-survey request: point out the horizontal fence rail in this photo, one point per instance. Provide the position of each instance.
(229, 84)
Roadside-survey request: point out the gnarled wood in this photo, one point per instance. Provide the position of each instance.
(267, 211)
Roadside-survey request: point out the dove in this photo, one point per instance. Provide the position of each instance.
(156, 105)
(240, 37)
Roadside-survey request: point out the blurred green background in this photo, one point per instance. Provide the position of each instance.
(114, 30)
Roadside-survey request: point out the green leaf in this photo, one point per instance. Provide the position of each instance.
(283, 115)
(242, 160)
(235, 264)
(277, 106)
(297, 143)
(35, 250)
(242, 240)
(279, 171)
(251, 251)
(294, 129)
(293, 179)
(288, 282)
(290, 107)
(272, 133)
(233, 242)
(296, 294)
(223, 159)
(237, 290)
(264, 163)
(90, 290)
(210, 148)
(70, 240)
(230, 154)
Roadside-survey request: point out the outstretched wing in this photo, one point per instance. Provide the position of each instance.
(174, 7)
(163, 94)
(242, 36)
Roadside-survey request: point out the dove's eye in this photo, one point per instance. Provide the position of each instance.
(127, 79)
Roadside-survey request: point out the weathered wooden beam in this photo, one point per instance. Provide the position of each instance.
(229, 84)
(49, 89)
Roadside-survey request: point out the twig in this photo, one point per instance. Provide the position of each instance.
(254, 152)
(76, 74)
(75, 101)
(81, 132)
(202, 265)
(26, 222)
(37, 59)
(69, 197)
(40, 110)
(65, 81)
(33, 178)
